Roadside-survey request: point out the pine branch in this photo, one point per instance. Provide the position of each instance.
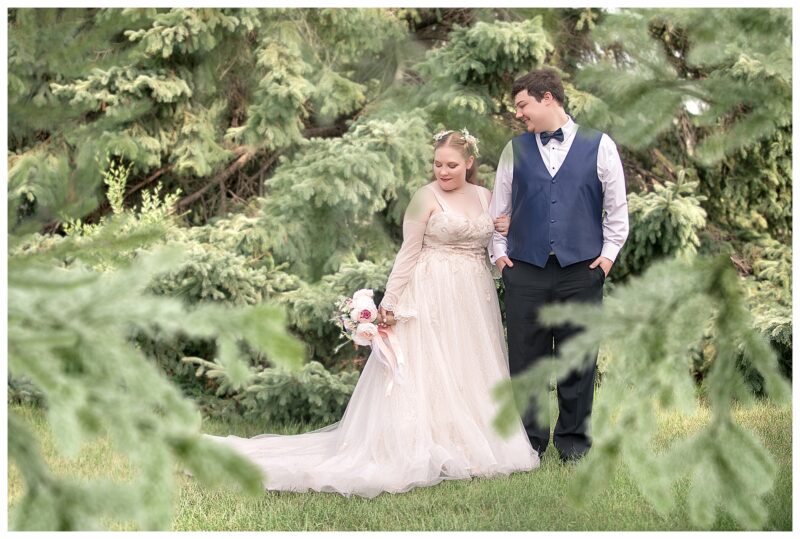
(219, 179)
(124, 396)
(336, 130)
(267, 164)
(150, 179)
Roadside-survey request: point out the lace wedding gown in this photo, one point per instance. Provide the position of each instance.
(437, 423)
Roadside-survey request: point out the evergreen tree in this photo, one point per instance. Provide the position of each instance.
(69, 334)
(292, 140)
(722, 110)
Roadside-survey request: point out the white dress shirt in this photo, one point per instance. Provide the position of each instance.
(609, 170)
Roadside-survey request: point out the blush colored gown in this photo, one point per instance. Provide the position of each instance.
(435, 424)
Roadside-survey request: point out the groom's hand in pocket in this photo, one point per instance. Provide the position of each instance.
(502, 262)
(603, 262)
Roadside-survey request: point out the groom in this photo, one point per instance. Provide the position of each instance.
(564, 187)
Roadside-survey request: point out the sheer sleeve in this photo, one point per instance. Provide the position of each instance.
(415, 222)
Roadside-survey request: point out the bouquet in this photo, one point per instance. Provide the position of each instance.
(355, 317)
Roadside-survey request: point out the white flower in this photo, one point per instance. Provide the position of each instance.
(471, 141)
(441, 134)
(365, 333)
(363, 292)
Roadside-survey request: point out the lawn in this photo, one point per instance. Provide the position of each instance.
(526, 501)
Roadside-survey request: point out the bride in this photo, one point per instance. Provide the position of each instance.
(437, 423)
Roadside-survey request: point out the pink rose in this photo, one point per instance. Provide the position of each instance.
(364, 309)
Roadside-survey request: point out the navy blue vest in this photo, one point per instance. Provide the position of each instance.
(562, 213)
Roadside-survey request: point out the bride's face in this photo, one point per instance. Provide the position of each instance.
(450, 167)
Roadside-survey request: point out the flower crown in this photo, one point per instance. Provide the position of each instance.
(472, 142)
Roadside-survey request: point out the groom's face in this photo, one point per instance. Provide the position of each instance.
(529, 110)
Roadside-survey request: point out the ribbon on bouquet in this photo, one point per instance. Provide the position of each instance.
(391, 355)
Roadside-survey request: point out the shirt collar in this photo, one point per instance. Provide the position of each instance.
(568, 127)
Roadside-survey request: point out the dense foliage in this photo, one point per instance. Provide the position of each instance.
(277, 149)
(69, 334)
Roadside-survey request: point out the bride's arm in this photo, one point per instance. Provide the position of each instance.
(414, 223)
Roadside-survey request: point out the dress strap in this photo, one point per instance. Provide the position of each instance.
(439, 199)
(484, 205)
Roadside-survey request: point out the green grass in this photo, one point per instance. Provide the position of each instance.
(526, 501)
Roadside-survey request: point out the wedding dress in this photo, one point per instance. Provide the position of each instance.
(435, 423)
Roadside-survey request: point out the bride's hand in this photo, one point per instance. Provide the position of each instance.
(385, 318)
(502, 224)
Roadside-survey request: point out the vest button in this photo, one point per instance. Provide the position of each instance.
(552, 241)
(552, 220)
(552, 181)
(553, 201)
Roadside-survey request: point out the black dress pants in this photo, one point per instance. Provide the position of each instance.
(527, 289)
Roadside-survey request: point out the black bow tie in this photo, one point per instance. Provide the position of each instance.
(545, 136)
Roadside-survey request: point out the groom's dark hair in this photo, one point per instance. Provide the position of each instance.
(539, 81)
